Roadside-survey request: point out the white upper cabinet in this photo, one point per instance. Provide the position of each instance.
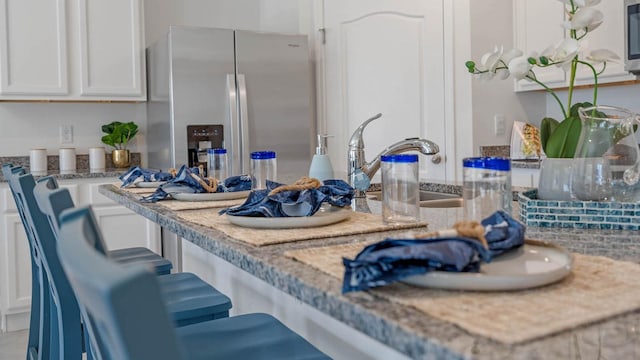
(72, 50)
(537, 25)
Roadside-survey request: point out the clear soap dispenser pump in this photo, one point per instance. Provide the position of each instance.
(321, 168)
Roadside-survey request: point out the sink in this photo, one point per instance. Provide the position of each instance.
(430, 199)
(442, 203)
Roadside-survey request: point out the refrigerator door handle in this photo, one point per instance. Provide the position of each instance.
(236, 154)
(244, 123)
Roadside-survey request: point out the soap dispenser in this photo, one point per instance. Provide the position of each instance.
(321, 168)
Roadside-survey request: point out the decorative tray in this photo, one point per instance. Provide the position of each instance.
(578, 214)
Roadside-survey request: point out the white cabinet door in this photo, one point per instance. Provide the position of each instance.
(122, 228)
(112, 48)
(33, 45)
(384, 57)
(16, 265)
(533, 35)
(72, 50)
(537, 25)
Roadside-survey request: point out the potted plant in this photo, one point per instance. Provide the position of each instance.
(118, 135)
(559, 139)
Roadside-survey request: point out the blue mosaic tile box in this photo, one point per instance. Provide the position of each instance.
(578, 214)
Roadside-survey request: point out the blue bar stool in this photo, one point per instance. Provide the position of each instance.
(161, 265)
(128, 320)
(64, 330)
(38, 339)
(189, 298)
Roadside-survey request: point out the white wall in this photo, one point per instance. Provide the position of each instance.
(491, 25)
(26, 125)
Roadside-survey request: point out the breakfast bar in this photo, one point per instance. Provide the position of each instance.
(593, 311)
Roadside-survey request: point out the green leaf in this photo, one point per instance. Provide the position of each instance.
(544, 60)
(119, 134)
(471, 66)
(547, 127)
(563, 140)
(574, 109)
(108, 140)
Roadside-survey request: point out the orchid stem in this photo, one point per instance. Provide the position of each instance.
(550, 91)
(595, 81)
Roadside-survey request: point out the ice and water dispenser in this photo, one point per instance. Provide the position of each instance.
(200, 138)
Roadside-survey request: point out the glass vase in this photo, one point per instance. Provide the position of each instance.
(606, 158)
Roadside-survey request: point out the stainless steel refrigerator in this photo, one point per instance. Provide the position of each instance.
(259, 86)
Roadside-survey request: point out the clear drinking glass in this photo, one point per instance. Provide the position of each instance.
(218, 163)
(486, 186)
(263, 168)
(400, 188)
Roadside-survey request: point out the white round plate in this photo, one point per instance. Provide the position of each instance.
(535, 264)
(149, 184)
(210, 196)
(331, 215)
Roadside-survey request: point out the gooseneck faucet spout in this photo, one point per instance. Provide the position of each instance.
(358, 167)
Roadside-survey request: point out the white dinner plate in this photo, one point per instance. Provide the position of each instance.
(535, 264)
(210, 196)
(149, 184)
(328, 216)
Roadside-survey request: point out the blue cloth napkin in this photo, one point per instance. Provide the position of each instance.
(393, 259)
(146, 174)
(293, 202)
(184, 182)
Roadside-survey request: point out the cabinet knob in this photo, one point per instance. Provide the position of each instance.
(436, 159)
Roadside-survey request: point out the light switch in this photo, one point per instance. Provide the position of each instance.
(66, 134)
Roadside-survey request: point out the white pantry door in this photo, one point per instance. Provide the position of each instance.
(384, 56)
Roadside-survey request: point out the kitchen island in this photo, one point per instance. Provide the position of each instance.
(404, 328)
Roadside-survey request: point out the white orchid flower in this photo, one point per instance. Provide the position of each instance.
(511, 54)
(564, 52)
(491, 60)
(485, 76)
(587, 19)
(519, 67)
(602, 55)
(549, 52)
(503, 73)
(581, 3)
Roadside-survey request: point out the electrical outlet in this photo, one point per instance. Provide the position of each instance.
(498, 125)
(66, 134)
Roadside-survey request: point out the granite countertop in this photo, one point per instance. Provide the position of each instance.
(504, 151)
(80, 174)
(525, 164)
(404, 328)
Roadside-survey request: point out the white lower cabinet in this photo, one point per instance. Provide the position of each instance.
(120, 226)
(250, 294)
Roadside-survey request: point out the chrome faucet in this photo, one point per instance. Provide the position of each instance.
(357, 158)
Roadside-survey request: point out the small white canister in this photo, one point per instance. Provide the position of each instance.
(97, 162)
(38, 161)
(67, 158)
